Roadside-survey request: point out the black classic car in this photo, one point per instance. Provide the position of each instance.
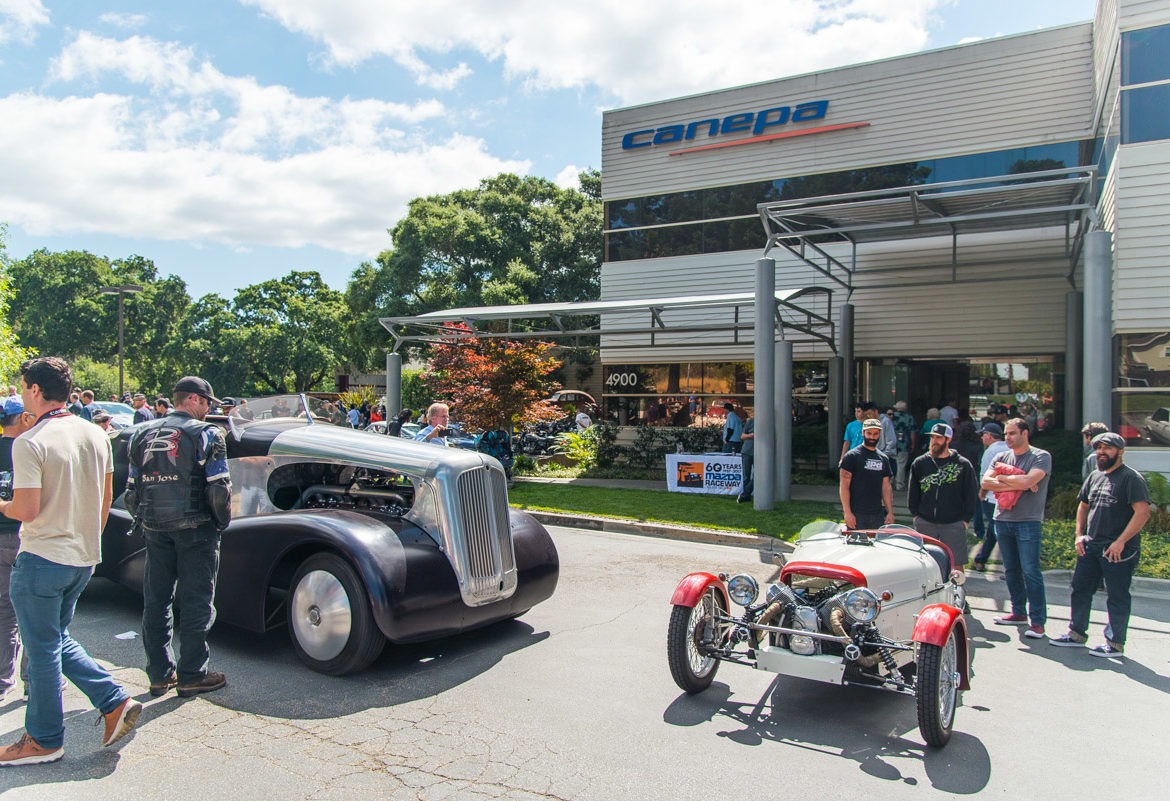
(355, 540)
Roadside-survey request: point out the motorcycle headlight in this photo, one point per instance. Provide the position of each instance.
(861, 604)
(743, 589)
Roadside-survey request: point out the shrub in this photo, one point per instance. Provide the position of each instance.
(578, 446)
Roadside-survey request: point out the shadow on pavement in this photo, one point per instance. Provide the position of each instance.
(854, 723)
(265, 677)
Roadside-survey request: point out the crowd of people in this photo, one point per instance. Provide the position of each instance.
(56, 489)
(990, 478)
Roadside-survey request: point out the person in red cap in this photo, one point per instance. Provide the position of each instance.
(179, 492)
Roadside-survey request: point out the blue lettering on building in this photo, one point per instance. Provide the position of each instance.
(758, 123)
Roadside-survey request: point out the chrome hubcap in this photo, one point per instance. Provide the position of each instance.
(321, 615)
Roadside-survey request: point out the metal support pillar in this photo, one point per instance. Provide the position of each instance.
(836, 409)
(1097, 395)
(845, 348)
(783, 420)
(1074, 307)
(393, 385)
(765, 391)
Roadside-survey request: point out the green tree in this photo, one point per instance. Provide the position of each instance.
(11, 353)
(288, 332)
(510, 240)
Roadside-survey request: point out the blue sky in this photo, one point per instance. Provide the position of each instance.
(231, 141)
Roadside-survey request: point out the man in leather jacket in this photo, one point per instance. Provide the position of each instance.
(179, 492)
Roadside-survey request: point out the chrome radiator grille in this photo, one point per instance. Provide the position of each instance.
(483, 536)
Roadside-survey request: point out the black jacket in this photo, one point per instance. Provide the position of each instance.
(943, 490)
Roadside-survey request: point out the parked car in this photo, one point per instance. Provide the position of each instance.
(879, 609)
(1158, 426)
(121, 414)
(578, 398)
(355, 540)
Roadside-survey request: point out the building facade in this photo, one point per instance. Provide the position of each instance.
(983, 318)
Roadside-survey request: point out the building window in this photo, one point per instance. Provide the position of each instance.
(724, 218)
(1142, 390)
(1145, 114)
(1145, 55)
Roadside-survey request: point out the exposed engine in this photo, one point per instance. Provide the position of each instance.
(331, 486)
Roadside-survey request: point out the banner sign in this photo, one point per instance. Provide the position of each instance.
(707, 473)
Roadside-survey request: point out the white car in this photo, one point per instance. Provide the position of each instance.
(1158, 426)
(881, 609)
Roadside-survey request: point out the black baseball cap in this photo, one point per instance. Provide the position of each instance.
(195, 385)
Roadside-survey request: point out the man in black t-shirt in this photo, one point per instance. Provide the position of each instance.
(1115, 504)
(15, 421)
(867, 494)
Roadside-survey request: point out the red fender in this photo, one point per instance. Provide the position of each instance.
(691, 589)
(934, 625)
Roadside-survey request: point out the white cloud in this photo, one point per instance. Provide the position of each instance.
(637, 51)
(189, 153)
(569, 177)
(125, 21)
(19, 19)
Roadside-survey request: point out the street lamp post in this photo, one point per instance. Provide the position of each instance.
(121, 291)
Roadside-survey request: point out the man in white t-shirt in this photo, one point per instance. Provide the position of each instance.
(583, 420)
(62, 489)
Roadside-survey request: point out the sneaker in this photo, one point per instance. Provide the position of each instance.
(979, 567)
(160, 688)
(1034, 632)
(26, 751)
(120, 721)
(1070, 639)
(1109, 651)
(209, 683)
(1010, 620)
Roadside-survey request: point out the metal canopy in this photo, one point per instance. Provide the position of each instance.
(1007, 202)
(810, 318)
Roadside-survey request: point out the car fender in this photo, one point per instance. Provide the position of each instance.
(691, 589)
(934, 625)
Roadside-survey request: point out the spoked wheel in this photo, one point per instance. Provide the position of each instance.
(938, 690)
(333, 630)
(692, 633)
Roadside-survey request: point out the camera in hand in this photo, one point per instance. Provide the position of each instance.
(5, 485)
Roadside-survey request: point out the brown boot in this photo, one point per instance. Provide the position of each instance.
(209, 683)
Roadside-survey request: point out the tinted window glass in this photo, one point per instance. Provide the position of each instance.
(1145, 55)
(1145, 114)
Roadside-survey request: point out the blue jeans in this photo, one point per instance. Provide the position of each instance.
(988, 532)
(1019, 545)
(44, 595)
(184, 562)
(749, 480)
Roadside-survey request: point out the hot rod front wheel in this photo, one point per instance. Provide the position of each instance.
(937, 690)
(690, 635)
(333, 629)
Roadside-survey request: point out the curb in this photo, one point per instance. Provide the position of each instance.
(1142, 587)
(685, 533)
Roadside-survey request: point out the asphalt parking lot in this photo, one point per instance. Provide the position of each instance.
(575, 701)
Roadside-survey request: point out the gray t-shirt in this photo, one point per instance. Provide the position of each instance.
(1030, 507)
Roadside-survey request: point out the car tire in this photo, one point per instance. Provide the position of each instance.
(692, 669)
(937, 690)
(329, 617)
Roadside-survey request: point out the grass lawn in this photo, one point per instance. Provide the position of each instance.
(653, 506)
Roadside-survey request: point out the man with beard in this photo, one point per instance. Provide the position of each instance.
(943, 493)
(867, 493)
(1114, 505)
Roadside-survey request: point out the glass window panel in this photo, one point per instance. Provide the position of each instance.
(1145, 55)
(1145, 114)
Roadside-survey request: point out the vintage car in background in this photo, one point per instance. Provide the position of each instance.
(881, 609)
(355, 540)
(1158, 426)
(121, 414)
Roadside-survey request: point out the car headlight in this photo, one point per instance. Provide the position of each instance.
(861, 604)
(743, 589)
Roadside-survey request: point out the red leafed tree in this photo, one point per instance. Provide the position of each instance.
(492, 383)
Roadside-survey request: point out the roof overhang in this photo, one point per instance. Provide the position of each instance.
(803, 312)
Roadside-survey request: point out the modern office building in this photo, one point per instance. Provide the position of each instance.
(992, 221)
